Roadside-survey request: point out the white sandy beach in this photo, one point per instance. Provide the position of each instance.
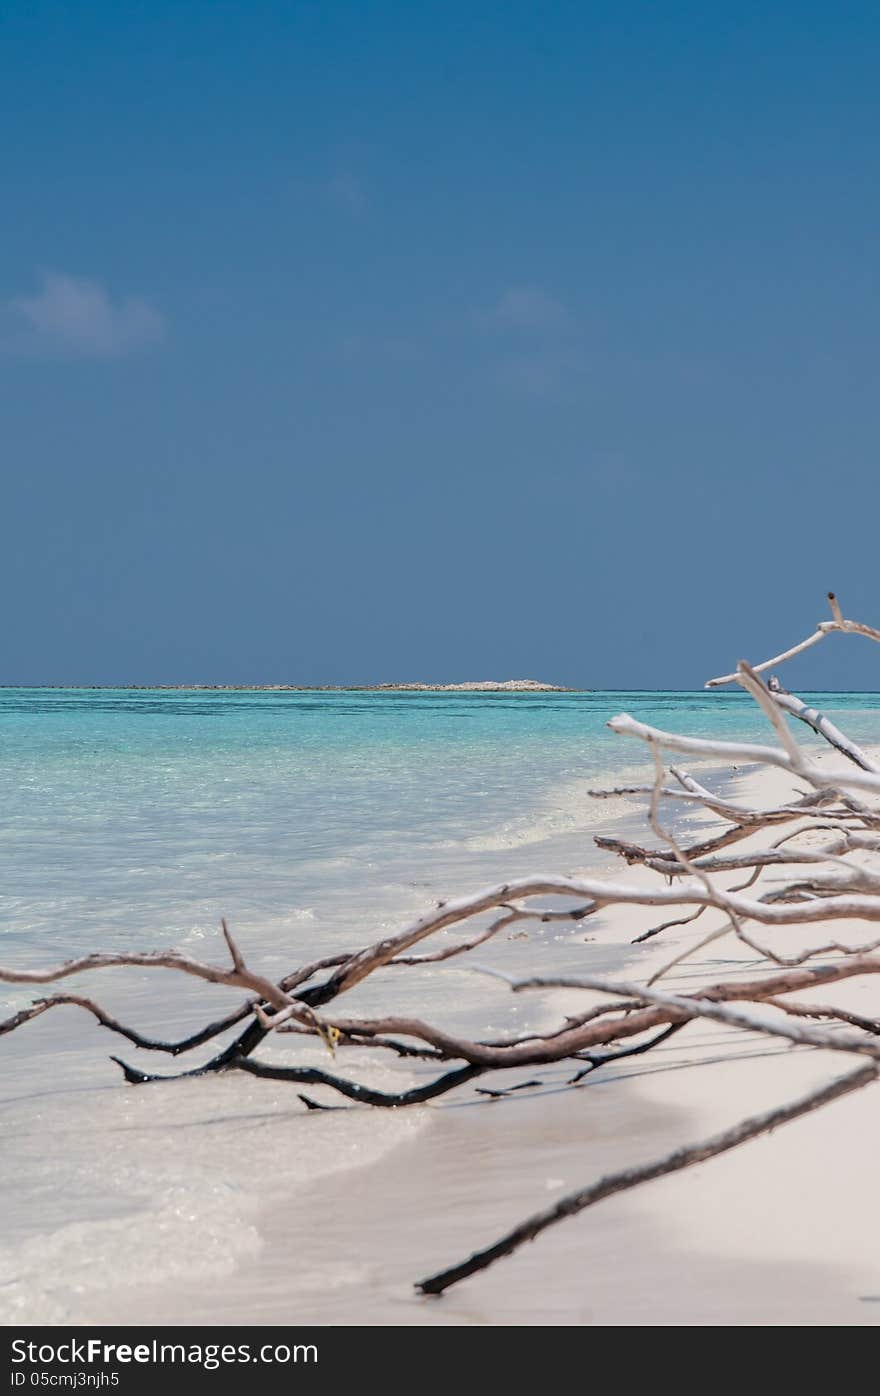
(347, 1209)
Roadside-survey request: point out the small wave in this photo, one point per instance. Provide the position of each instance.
(184, 1172)
(565, 810)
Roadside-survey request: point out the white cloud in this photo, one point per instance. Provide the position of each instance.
(349, 193)
(71, 315)
(536, 348)
(526, 308)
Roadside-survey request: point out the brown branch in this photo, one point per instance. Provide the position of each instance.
(660, 1009)
(106, 1020)
(402, 1049)
(841, 1015)
(238, 977)
(597, 1059)
(715, 1008)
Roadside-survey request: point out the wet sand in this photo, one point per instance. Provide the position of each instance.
(737, 1241)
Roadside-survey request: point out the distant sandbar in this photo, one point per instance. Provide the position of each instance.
(473, 686)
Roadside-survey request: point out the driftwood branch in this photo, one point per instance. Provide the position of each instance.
(825, 627)
(798, 867)
(821, 725)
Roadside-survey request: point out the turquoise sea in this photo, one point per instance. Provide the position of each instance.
(132, 813)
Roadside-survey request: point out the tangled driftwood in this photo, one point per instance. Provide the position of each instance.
(835, 879)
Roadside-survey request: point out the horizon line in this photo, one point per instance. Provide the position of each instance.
(451, 689)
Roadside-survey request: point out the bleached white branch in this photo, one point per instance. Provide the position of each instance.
(825, 627)
(746, 752)
(821, 725)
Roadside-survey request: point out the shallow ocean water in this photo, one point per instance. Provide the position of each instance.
(133, 812)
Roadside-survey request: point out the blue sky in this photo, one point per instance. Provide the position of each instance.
(355, 342)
